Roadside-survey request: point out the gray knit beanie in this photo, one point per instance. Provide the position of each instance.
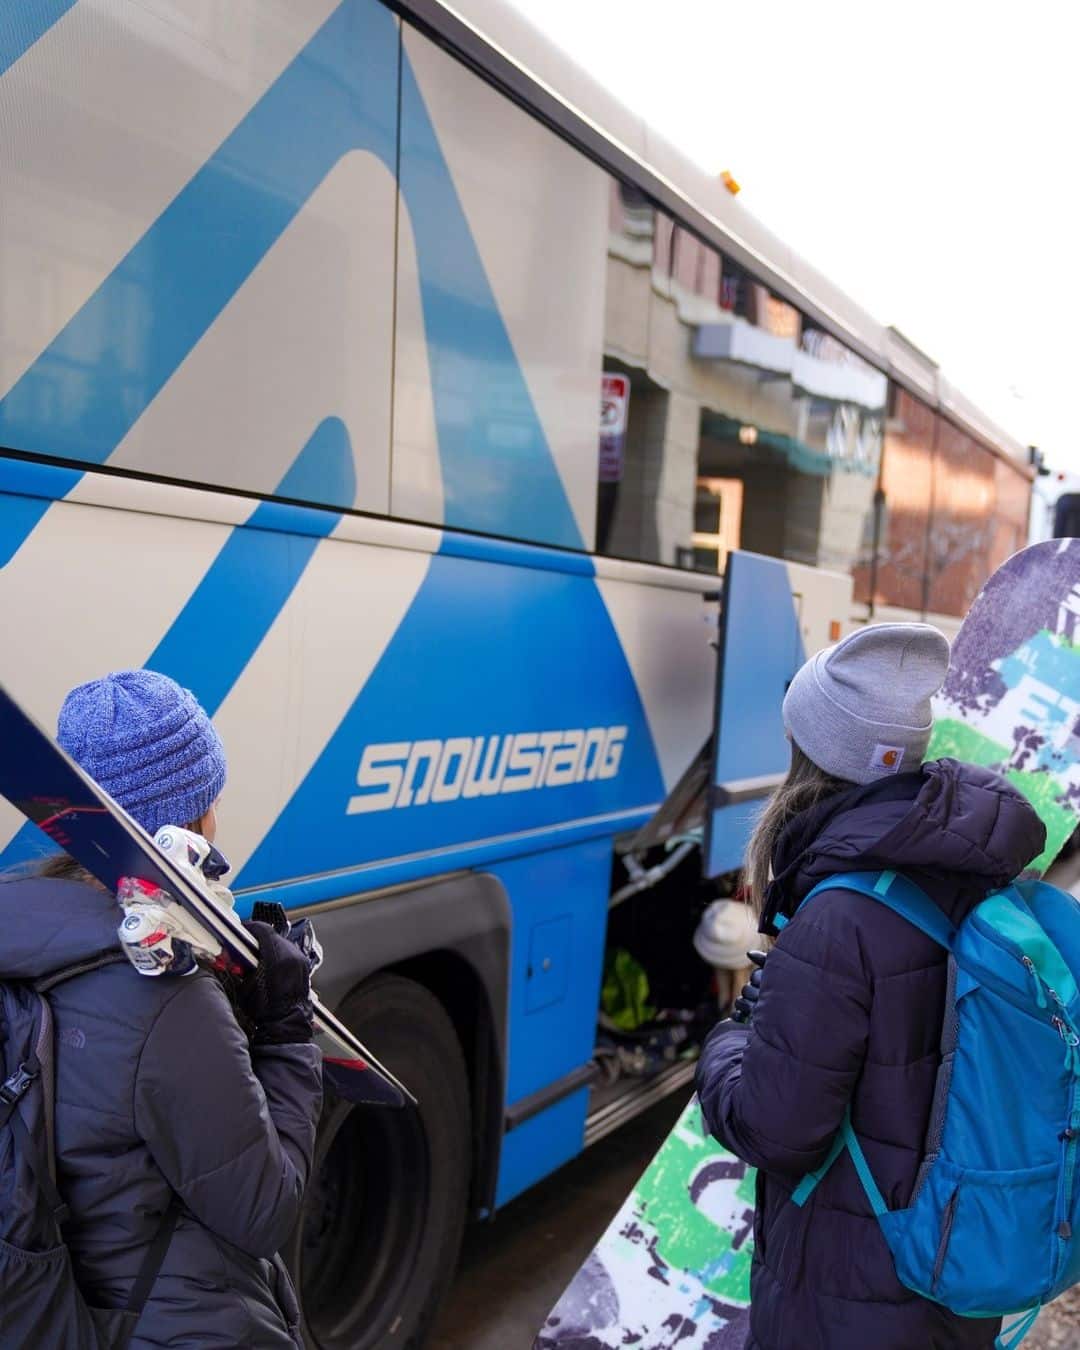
(861, 710)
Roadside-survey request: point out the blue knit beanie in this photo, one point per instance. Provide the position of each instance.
(148, 743)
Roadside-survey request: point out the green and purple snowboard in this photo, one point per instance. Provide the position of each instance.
(673, 1268)
(1012, 695)
(672, 1271)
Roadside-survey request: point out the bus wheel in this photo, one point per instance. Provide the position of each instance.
(384, 1213)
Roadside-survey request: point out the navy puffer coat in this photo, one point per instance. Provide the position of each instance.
(158, 1094)
(851, 1008)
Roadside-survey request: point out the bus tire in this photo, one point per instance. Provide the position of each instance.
(384, 1213)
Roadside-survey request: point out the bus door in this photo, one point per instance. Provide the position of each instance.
(774, 614)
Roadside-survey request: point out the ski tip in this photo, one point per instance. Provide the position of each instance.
(356, 1081)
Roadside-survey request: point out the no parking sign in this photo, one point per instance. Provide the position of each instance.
(614, 406)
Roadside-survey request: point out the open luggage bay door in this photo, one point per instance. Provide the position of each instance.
(773, 615)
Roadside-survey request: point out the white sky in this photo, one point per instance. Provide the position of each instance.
(922, 155)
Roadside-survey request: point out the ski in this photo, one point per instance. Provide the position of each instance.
(52, 791)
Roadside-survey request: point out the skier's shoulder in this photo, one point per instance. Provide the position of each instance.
(192, 1005)
(835, 931)
(847, 930)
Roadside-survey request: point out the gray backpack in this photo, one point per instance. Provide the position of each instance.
(40, 1303)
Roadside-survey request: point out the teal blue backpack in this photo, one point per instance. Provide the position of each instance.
(992, 1227)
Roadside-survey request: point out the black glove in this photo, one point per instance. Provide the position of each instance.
(747, 1000)
(276, 995)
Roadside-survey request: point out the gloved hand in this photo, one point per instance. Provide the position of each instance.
(751, 992)
(276, 995)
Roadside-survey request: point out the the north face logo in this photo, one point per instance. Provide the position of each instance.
(73, 1037)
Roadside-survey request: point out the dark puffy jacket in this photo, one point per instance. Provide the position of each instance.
(158, 1093)
(851, 1008)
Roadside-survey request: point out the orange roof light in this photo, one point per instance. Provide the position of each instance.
(731, 182)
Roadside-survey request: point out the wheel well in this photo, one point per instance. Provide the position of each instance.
(461, 992)
(464, 922)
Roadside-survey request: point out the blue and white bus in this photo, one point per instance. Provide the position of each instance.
(306, 314)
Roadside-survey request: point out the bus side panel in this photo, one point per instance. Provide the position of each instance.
(506, 227)
(502, 708)
(200, 248)
(382, 706)
(559, 902)
(665, 628)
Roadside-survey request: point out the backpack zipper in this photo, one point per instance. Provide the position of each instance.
(1070, 1136)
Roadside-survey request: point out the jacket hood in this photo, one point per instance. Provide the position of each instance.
(48, 924)
(957, 830)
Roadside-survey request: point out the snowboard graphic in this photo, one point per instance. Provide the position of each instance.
(672, 1271)
(50, 789)
(1012, 695)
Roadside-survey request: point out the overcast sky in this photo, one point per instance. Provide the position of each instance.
(923, 156)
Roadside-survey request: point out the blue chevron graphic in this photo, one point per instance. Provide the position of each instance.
(340, 94)
(24, 22)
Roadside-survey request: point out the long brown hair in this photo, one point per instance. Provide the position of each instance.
(804, 786)
(63, 867)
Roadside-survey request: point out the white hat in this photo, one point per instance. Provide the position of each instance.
(727, 931)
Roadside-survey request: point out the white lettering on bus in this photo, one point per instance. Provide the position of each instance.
(419, 773)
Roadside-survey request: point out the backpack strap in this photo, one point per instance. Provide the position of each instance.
(149, 1270)
(897, 893)
(912, 903)
(152, 1261)
(109, 957)
(31, 1149)
(845, 1138)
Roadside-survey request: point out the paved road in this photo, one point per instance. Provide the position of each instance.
(514, 1269)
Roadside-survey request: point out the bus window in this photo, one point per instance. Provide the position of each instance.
(498, 336)
(745, 426)
(1067, 516)
(796, 420)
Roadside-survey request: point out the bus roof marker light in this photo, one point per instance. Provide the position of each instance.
(731, 182)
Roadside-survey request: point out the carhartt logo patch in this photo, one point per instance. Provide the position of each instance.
(887, 758)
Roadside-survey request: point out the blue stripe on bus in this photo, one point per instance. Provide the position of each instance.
(24, 22)
(204, 246)
(318, 890)
(482, 548)
(500, 484)
(206, 243)
(243, 591)
(481, 651)
(26, 491)
(220, 628)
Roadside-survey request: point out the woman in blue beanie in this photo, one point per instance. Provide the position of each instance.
(167, 1112)
(849, 1008)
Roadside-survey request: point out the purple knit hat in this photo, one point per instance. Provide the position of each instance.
(148, 743)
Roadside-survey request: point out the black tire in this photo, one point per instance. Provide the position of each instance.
(383, 1218)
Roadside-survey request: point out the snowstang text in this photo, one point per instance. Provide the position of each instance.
(416, 773)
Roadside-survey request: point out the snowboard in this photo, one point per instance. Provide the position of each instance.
(53, 792)
(672, 1270)
(1011, 699)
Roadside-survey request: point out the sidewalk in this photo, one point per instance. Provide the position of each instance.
(1059, 1326)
